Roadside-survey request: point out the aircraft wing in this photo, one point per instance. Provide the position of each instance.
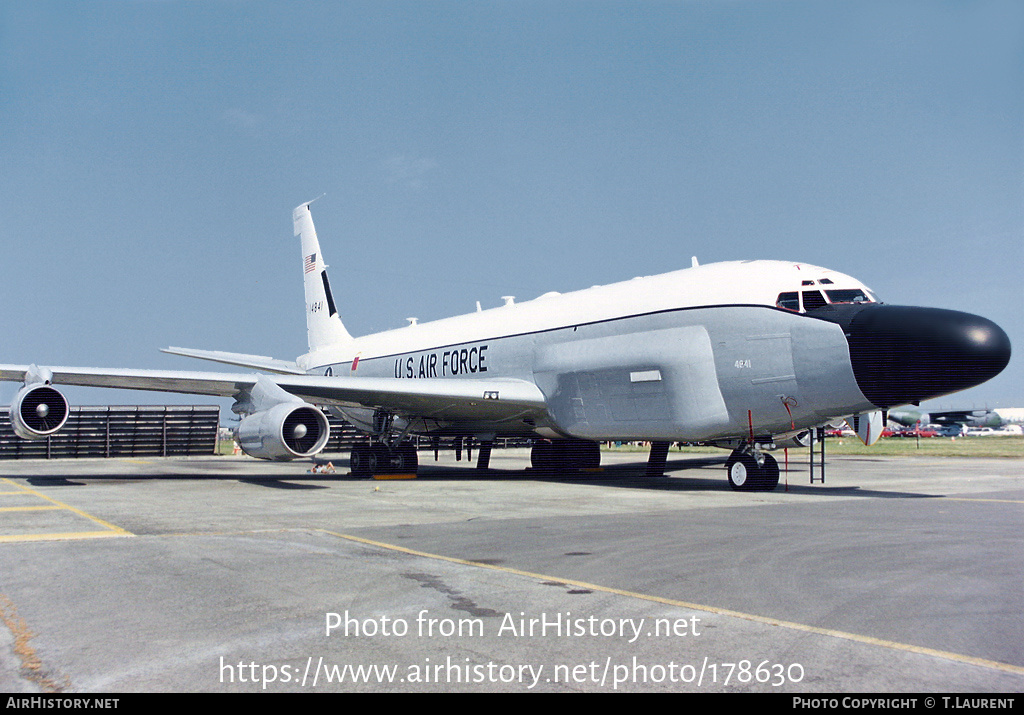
(470, 399)
(957, 416)
(254, 362)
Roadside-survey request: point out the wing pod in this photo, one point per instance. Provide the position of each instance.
(38, 411)
(289, 430)
(796, 440)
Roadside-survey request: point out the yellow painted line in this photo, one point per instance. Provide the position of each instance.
(29, 508)
(62, 536)
(116, 529)
(394, 476)
(10, 494)
(803, 627)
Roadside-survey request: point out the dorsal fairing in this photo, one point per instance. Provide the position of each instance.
(324, 328)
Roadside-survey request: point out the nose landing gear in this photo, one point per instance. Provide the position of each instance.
(752, 470)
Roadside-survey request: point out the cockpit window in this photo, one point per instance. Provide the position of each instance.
(847, 295)
(789, 301)
(813, 299)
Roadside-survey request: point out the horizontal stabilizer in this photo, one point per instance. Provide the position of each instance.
(254, 362)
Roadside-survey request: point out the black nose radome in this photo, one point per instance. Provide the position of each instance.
(904, 355)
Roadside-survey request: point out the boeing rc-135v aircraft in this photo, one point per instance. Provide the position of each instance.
(745, 355)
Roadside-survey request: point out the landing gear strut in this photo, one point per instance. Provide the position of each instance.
(657, 459)
(752, 470)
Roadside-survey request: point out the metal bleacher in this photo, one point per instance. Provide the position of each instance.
(120, 431)
(159, 431)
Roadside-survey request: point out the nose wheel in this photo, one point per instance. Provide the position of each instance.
(746, 475)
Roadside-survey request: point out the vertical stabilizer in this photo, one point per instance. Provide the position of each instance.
(323, 325)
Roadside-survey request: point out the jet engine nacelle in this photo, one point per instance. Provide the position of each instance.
(286, 431)
(38, 411)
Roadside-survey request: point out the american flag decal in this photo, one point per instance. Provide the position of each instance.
(309, 264)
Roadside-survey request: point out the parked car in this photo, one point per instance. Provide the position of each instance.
(918, 432)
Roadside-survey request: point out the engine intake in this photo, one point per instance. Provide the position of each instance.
(38, 411)
(289, 430)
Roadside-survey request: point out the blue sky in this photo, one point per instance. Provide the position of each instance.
(152, 153)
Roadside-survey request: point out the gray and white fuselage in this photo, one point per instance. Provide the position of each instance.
(697, 354)
(714, 352)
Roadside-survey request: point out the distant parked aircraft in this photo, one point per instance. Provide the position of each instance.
(997, 417)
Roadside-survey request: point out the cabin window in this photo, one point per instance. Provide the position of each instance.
(789, 301)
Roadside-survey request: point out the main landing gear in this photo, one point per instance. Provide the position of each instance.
(367, 460)
(565, 455)
(752, 470)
